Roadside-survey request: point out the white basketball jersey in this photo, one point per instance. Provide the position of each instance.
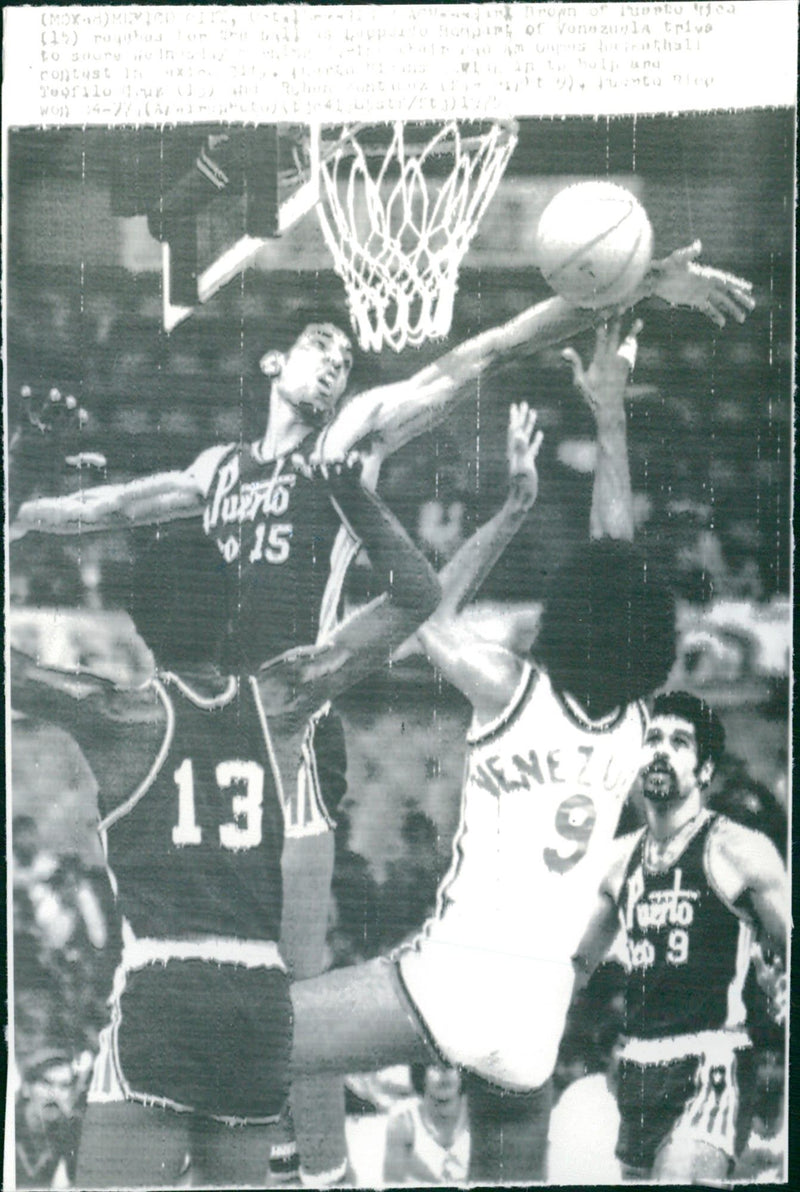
(543, 791)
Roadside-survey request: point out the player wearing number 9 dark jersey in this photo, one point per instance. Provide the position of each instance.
(189, 769)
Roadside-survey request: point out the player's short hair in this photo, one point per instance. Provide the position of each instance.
(418, 1075)
(608, 625)
(709, 731)
(179, 596)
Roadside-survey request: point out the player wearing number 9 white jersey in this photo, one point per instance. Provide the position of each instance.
(552, 752)
(543, 791)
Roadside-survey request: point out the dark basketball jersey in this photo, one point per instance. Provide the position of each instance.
(688, 950)
(196, 849)
(275, 530)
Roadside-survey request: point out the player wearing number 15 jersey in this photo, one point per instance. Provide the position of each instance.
(192, 812)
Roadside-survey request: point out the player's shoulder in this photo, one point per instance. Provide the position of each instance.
(736, 845)
(511, 679)
(201, 470)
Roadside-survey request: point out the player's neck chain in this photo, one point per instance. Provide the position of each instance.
(662, 854)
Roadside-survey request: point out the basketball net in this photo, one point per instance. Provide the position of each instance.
(398, 238)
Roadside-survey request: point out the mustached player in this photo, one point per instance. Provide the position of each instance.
(192, 815)
(690, 892)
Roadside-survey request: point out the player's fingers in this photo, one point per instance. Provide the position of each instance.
(711, 312)
(537, 442)
(513, 417)
(739, 299)
(683, 256)
(629, 347)
(730, 281)
(725, 305)
(86, 459)
(613, 333)
(574, 361)
(529, 423)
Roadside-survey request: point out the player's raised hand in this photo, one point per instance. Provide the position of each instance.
(523, 442)
(48, 434)
(336, 472)
(602, 385)
(679, 280)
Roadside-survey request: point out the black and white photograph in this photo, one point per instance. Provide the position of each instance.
(398, 641)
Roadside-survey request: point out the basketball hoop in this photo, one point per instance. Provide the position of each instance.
(398, 237)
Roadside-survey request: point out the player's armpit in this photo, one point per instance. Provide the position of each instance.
(488, 674)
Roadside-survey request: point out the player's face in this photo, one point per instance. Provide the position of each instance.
(669, 770)
(315, 372)
(442, 1085)
(52, 1095)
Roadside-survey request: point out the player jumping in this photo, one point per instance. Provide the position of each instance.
(689, 891)
(552, 753)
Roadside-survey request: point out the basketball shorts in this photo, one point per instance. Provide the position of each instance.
(497, 1014)
(692, 1094)
(198, 1035)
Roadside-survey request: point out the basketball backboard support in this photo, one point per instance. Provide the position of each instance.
(218, 239)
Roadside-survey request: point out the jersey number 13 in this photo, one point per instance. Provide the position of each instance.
(244, 831)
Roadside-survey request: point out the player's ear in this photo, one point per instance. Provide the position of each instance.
(271, 363)
(705, 773)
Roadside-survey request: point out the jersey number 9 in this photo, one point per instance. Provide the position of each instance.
(575, 820)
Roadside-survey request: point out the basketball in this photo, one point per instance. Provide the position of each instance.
(594, 243)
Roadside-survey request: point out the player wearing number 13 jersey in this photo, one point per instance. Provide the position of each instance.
(194, 853)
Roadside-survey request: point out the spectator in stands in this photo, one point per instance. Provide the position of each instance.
(427, 1136)
(32, 864)
(47, 1120)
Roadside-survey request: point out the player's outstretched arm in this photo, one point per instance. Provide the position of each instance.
(462, 577)
(602, 386)
(164, 496)
(90, 708)
(386, 418)
(486, 673)
(301, 680)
